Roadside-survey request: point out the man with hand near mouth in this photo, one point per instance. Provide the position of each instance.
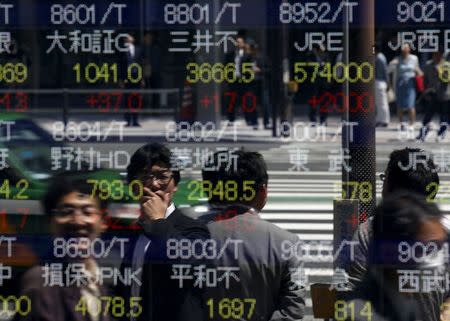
(160, 221)
(151, 167)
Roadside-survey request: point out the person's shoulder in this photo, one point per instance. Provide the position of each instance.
(367, 224)
(32, 279)
(364, 231)
(130, 233)
(179, 220)
(178, 216)
(395, 61)
(33, 273)
(273, 230)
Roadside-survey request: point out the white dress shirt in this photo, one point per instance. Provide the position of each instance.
(131, 50)
(91, 292)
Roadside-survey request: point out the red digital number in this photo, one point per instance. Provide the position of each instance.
(329, 102)
(17, 102)
(248, 101)
(105, 102)
(6, 227)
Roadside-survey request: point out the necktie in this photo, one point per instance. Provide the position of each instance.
(138, 262)
(91, 293)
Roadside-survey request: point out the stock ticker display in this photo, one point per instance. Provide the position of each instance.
(224, 160)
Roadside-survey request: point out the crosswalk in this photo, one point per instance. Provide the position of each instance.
(302, 203)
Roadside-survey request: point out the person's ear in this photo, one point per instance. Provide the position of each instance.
(52, 226)
(104, 226)
(261, 197)
(103, 220)
(264, 190)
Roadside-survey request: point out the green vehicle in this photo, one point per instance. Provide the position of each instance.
(24, 181)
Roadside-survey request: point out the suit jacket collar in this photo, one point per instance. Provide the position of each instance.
(170, 210)
(71, 296)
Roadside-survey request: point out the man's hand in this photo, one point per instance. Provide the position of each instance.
(154, 204)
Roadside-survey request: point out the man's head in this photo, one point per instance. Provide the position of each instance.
(377, 47)
(417, 178)
(148, 38)
(152, 165)
(406, 49)
(129, 39)
(240, 42)
(402, 221)
(251, 46)
(13, 47)
(73, 209)
(437, 56)
(241, 171)
(318, 48)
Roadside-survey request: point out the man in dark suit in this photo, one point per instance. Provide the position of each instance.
(72, 213)
(321, 86)
(238, 57)
(254, 276)
(132, 56)
(152, 58)
(160, 221)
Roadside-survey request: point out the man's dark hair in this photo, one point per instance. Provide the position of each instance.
(65, 183)
(415, 179)
(378, 47)
(147, 156)
(398, 218)
(241, 166)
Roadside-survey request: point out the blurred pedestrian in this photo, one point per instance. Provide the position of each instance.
(445, 89)
(407, 70)
(381, 87)
(251, 116)
(128, 76)
(395, 287)
(261, 83)
(321, 85)
(238, 57)
(435, 95)
(152, 66)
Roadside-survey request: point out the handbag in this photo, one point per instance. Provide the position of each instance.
(420, 85)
